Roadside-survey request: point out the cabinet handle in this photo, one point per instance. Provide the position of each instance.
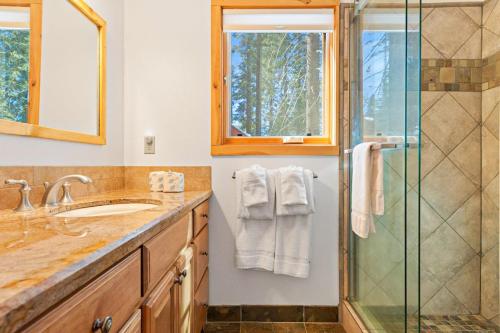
(205, 216)
(104, 325)
(204, 253)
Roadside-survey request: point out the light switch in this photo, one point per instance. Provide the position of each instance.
(149, 145)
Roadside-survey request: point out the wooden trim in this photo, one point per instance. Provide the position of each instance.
(32, 128)
(222, 144)
(257, 4)
(274, 149)
(350, 320)
(35, 63)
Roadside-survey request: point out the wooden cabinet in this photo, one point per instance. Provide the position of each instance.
(159, 311)
(162, 287)
(134, 324)
(115, 295)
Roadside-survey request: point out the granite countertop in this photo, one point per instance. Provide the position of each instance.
(44, 259)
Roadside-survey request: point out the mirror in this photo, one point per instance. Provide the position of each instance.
(52, 70)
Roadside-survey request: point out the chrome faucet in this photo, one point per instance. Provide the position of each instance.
(51, 192)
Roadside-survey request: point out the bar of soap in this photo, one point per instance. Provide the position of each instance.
(293, 139)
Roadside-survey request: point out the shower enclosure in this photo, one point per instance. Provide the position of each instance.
(422, 81)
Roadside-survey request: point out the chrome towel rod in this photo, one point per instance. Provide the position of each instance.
(315, 176)
(390, 146)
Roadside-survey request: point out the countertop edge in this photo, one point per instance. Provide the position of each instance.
(24, 308)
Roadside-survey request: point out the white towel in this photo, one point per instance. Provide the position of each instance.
(256, 212)
(293, 187)
(293, 238)
(367, 187)
(291, 210)
(256, 239)
(254, 186)
(156, 181)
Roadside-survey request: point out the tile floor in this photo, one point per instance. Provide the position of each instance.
(255, 327)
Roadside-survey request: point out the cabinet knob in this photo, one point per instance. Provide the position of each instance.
(205, 216)
(179, 280)
(184, 273)
(103, 324)
(204, 253)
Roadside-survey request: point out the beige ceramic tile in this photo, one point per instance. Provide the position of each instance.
(491, 43)
(493, 19)
(444, 303)
(431, 155)
(489, 99)
(429, 51)
(489, 227)
(491, 190)
(467, 156)
(470, 101)
(446, 188)
(466, 221)
(492, 122)
(439, 28)
(489, 284)
(466, 286)
(447, 123)
(429, 98)
(490, 156)
(488, 7)
(444, 253)
(474, 12)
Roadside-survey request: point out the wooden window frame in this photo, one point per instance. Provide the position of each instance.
(221, 143)
(32, 127)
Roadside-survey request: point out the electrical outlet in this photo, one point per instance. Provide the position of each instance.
(149, 145)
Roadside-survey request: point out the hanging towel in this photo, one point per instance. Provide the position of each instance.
(254, 186)
(256, 239)
(291, 210)
(293, 237)
(293, 187)
(367, 187)
(255, 212)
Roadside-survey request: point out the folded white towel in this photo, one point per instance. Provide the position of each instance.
(254, 186)
(293, 245)
(290, 210)
(256, 239)
(173, 182)
(367, 187)
(256, 212)
(293, 187)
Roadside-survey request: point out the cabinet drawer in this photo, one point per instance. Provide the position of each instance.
(116, 293)
(200, 217)
(201, 304)
(160, 252)
(201, 255)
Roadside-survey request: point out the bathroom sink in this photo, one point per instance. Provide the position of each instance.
(107, 210)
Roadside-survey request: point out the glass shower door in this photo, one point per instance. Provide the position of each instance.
(385, 107)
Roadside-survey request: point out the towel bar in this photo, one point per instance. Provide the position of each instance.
(390, 146)
(315, 176)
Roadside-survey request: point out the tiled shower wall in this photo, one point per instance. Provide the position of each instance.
(459, 147)
(490, 159)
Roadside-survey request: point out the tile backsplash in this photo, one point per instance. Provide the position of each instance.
(105, 179)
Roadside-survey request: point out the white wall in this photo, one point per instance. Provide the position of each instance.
(167, 93)
(16, 150)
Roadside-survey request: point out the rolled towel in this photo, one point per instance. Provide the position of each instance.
(254, 186)
(173, 182)
(156, 181)
(293, 187)
(257, 212)
(289, 210)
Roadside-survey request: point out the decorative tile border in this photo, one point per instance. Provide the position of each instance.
(452, 75)
(491, 72)
(273, 313)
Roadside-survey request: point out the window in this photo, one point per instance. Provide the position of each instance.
(18, 98)
(274, 77)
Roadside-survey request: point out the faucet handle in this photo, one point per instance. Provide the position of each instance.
(25, 204)
(66, 198)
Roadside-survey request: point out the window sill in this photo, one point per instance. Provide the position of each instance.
(275, 149)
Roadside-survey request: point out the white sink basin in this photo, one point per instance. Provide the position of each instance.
(107, 210)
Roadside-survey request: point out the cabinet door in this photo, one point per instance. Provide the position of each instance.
(201, 304)
(159, 312)
(134, 324)
(186, 292)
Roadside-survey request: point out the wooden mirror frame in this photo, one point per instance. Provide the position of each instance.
(32, 127)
